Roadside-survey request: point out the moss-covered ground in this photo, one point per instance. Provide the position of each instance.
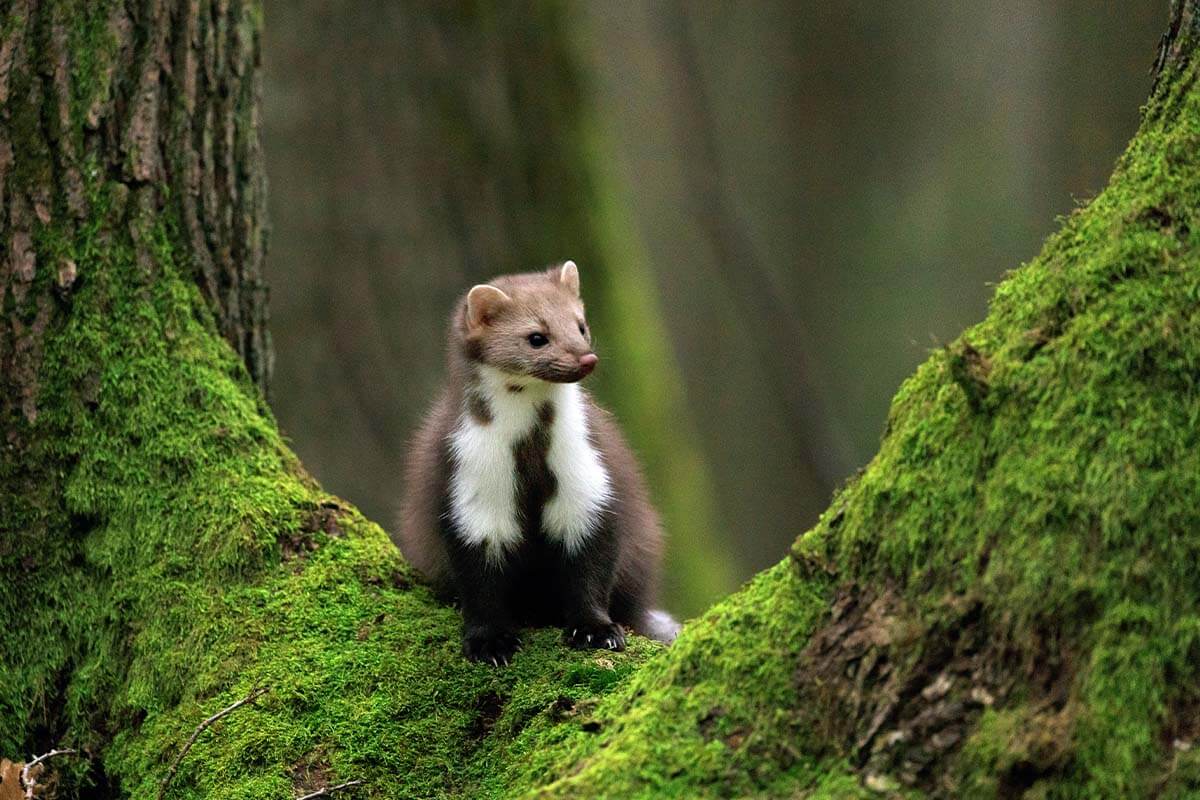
(170, 554)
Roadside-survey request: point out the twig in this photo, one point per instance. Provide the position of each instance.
(28, 781)
(254, 695)
(329, 790)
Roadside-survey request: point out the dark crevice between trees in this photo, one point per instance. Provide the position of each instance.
(80, 775)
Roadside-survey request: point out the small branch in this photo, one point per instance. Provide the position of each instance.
(250, 698)
(329, 790)
(28, 780)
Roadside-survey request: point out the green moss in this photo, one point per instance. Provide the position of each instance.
(181, 557)
(1182, 779)
(1047, 465)
(676, 729)
(170, 554)
(93, 48)
(349, 654)
(1067, 501)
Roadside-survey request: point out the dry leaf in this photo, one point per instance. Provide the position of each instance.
(10, 780)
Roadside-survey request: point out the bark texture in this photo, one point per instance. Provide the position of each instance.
(1004, 603)
(160, 100)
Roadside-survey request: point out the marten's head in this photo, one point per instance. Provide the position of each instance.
(529, 325)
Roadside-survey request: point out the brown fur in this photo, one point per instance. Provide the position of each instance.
(539, 302)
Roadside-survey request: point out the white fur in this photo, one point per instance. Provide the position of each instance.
(484, 481)
(584, 488)
(658, 624)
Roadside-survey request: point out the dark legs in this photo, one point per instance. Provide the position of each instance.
(483, 589)
(585, 584)
(575, 587)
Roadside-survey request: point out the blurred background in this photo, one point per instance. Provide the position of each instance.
(778, 209)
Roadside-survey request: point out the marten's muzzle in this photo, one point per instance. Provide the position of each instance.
(560, 372)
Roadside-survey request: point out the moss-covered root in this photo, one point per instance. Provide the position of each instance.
(1005, 601)
(1016, 607)
(715, 716)
(162, 551)
(188, 559)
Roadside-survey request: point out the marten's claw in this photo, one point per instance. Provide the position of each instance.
(488, 647)
(599, 635)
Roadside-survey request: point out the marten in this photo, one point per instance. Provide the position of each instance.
(522, 498)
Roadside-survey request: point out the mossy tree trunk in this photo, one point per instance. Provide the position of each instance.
(1004, 601)
(162, 551)
(157, 103)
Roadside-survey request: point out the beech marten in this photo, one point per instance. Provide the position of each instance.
(522, 497)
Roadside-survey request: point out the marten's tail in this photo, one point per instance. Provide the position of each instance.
(655, 623)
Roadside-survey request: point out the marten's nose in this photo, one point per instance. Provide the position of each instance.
(587, 363)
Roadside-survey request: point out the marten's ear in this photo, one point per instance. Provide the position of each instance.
(568, 276)
(483, 301)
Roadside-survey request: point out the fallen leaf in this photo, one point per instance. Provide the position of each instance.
(10, 780)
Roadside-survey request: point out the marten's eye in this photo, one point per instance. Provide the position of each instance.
(582, 328)
(538, 340)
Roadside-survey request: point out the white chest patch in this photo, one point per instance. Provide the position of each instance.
(584, 488)
(483, 485)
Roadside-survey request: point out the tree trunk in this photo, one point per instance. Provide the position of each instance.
(158, 105)
(1004, 601)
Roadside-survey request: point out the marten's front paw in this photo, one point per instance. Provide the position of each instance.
(490, 646)
(600, 635)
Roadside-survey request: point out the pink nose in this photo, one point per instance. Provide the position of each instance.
(588, 363)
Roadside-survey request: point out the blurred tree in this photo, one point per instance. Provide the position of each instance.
(826, 191)
(417, 150)
(772, 233)
(778, 231)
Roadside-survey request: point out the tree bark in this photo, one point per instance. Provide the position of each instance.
(1003, 602)
(162, 103)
